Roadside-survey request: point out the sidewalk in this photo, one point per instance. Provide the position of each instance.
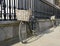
(50, 37)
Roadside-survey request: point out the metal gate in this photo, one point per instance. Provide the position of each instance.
(7, 10)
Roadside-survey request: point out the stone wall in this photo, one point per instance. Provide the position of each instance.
(57, 22)
(8, 29)
(44, 25)
(12, 31)
(8, 32)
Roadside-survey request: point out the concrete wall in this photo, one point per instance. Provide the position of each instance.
(44, 25)
(12, 31)
(41, 26)
(8, 32)
(57, 22)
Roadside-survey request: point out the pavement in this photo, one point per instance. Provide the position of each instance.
(50, 37)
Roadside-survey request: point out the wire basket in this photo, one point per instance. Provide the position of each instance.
(23, 15)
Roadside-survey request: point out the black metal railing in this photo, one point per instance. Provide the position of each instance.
(45, 10)
(39, 8)
(7, 11)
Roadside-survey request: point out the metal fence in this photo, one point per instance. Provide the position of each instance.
(40, 9)
(44, 10)
(6, 11)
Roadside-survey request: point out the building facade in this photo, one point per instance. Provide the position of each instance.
(57, 2)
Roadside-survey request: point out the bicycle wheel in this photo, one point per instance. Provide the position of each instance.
(22, 32)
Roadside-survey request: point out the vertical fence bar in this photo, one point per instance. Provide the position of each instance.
(4, 6)
(12, 7)
(29, 5)
(18, 4)
(9, 9)
(1, 10)
(14, 11)
(23, 4)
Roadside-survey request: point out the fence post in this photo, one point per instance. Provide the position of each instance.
(9, 9)
(1, 10)
(14, 11)
(4, 6)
